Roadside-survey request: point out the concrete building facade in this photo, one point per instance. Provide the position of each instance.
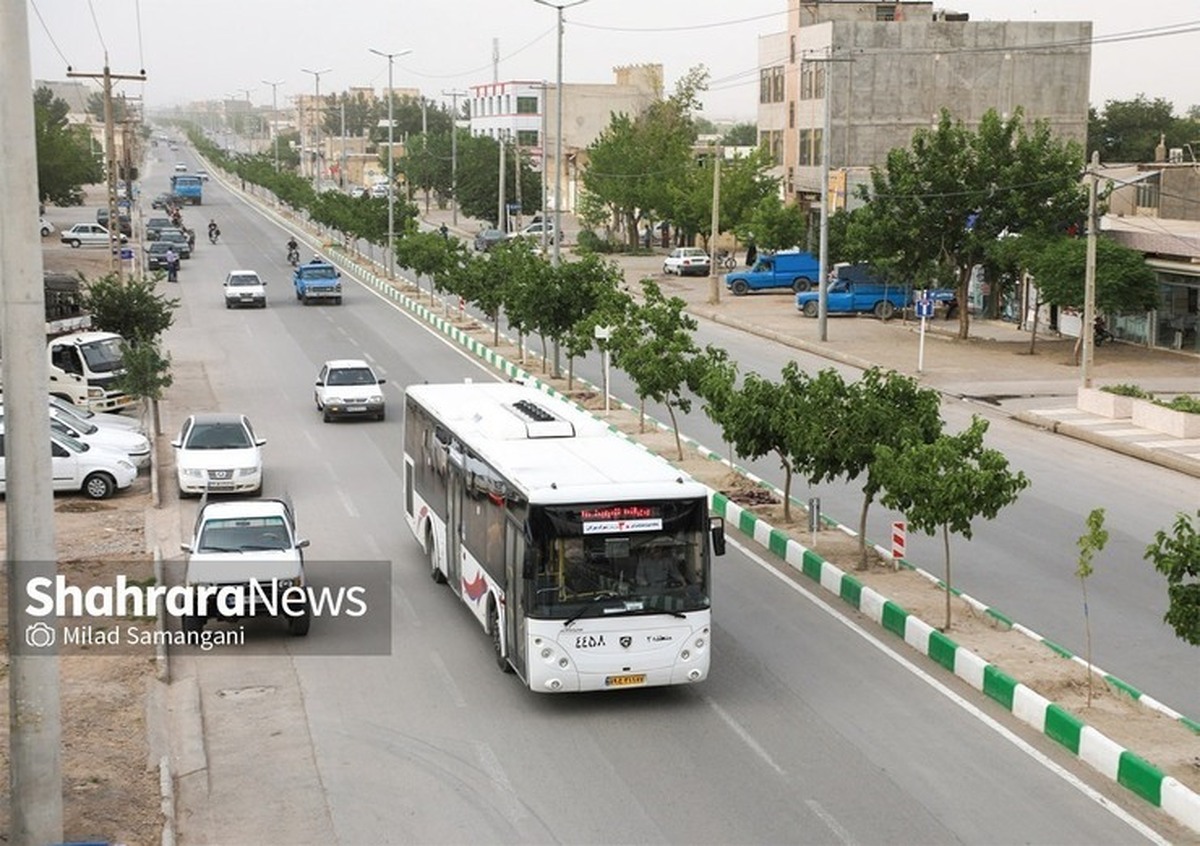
(884, 70)
(526, 112)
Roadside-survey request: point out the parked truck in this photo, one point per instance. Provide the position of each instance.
(793, 269)
(847, 296)
(318, 280)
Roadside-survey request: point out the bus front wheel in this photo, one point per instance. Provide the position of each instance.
(494, 627)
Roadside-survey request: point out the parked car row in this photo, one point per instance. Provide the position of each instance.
(96, 454)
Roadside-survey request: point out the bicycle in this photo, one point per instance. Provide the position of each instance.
(726, 260)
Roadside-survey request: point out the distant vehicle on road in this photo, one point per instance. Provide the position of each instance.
(349, 388)
(687, 261)
(88, 235)
(792, 269)
(485, 239)
(244, 288)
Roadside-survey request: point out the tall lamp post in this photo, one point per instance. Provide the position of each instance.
(391, 163)
(558, 139)
(320, 115)
(274, 116)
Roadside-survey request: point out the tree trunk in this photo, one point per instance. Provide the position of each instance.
(642, 416)
(1087, 630)
(675, 429)
(1033, 332)
(964, 319)
(946, 545)
(496, 327)
(862, 532)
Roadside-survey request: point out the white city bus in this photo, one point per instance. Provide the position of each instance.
(586, 558)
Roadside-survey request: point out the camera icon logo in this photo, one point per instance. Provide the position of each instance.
(40, 635)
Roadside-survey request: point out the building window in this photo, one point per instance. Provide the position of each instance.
(777, 146)
(1148, 193)
(508, 104)
(527, 138)
(792, 50)
(885, 13)
(810, 147)
(791, 114)
(812, 80)
(770, 85)
(527, 105)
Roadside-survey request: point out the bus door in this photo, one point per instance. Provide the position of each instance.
(454, 528)
(514, 618)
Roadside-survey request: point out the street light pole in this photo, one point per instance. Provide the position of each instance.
(319, 115)
(454, 94)
(558, 168)
(391, 164)
(274, 116)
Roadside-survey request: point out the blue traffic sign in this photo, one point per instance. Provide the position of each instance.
(925, 308)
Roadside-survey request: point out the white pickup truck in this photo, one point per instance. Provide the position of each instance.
(245, 560)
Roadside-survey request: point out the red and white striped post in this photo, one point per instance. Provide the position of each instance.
(899, 528)
(462, 307)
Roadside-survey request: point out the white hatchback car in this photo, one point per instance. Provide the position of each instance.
(349, 387)
(103, 419)
(686, 261)
(218, 453)
(245, 288)
(76, 466)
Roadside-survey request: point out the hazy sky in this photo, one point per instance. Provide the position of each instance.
(212, 49)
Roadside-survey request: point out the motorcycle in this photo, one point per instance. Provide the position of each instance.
(1100, 333)
(213, 235)
(293, 256)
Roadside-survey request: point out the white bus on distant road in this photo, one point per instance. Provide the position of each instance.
(586, 558)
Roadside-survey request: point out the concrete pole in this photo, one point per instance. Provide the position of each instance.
(35, 731)
(500, 204)
(110, 162)
(454, 95)
(823, 272)
(714, 269)
(275, 116)
(391, 264)
(545, 169)
(1089, 275)
(317, 124)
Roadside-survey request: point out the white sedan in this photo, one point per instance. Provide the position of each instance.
(245, 288)
(686, 261)
(349, 387)
(133, 444)
(103, 419)
(218, 453)
(88, 235)
(76, 466)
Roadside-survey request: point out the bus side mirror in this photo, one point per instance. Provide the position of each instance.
(716, 528)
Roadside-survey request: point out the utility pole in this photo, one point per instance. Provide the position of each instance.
(391, 164)
(500, 203)
(714, 268)
(542, 108)
(34, 715)
(320, 115)
(110, 160)
(558, 132)
(826, 131)
(342, 163)
(454, 94)
(1089, 274)
(274, 117)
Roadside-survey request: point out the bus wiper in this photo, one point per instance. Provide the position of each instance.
(597, 598)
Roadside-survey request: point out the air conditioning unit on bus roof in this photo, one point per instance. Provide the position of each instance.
(541, 422)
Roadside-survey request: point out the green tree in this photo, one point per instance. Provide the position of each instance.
(883, 408)
(1089, 543)
(936, 208)
(147, 373)
(634, 162)
(1123, 281)
(65, 158)
(426, 254)
(594, 298)
(946, 484)
(132, 310)
(655, 347)
(1130, 130)
(1177, 556)
(741, 135)
(776, 226)
(479, 179)
(745, 184)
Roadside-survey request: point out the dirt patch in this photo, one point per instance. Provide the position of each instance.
(110, 787)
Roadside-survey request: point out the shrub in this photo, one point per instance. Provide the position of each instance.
(1127, 391)
(1184, 403)
(589, 242)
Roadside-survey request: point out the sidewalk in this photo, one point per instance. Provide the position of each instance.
(994, 366)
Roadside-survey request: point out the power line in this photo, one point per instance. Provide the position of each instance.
(482, 68)
(99, 34)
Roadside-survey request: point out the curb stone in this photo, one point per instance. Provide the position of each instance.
(1102, 754)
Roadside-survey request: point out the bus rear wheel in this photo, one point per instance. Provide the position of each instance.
(431, 551)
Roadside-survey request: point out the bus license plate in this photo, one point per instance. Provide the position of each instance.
(625, 681)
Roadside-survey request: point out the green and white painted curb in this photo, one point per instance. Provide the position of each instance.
(1089, 745)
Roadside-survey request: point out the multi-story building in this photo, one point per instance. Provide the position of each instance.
(876, 72)
(524, 112)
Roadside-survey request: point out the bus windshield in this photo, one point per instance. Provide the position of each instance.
(617, 565)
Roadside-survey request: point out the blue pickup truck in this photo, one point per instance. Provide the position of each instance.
(846, 296)
(318, 280)
(795, 270)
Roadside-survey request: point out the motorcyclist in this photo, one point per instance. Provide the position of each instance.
(214, 232)
(293, 250)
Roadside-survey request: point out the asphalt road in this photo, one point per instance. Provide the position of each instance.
(808, 730)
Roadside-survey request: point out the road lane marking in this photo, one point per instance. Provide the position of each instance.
(513, 810)
(745, 736)
(837, 829)
(1024, 746)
